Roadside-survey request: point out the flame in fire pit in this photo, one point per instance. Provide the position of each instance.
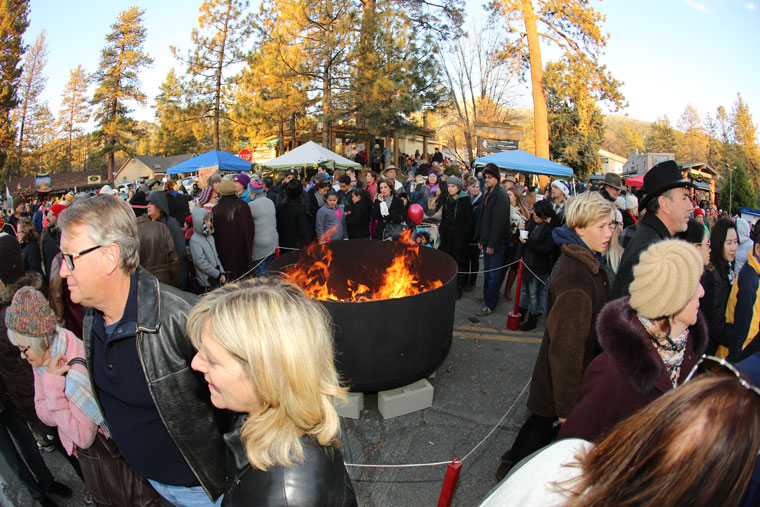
(314, 268)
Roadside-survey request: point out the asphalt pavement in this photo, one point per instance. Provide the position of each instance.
(485, 373)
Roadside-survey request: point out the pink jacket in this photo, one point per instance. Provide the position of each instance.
(54, 408)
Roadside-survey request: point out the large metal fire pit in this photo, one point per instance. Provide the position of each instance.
(392, 342)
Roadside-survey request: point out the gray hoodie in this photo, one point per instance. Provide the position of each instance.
(203, 250)
(745, 244)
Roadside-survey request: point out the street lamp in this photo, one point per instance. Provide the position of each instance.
(731, 170)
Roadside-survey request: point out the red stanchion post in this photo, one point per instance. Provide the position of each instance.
(450, 483)
(513, 320)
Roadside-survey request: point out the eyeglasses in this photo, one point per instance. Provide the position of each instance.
(719, 366)
(23, 351)
(69, 258)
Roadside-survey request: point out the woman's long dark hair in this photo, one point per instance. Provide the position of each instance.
(228, 206)
(292, 191)
(717, 240)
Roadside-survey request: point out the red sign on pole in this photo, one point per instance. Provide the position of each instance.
(245, 154)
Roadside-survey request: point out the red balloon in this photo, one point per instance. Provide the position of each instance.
(416, 213)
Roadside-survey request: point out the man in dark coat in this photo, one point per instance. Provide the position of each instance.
(668, 209)
(493, 235)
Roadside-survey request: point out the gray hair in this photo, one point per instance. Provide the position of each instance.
(214, 178)
(38, 344)
(110, 220)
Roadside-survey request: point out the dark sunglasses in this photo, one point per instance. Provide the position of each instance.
(712, 364)
(69, 258)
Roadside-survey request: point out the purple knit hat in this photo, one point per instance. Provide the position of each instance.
(256, 184)
(30, 314)
(242, 178)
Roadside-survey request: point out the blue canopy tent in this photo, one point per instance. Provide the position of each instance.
(222, 160)
(518, 160)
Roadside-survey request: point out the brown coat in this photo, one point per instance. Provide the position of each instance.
(628, 374)
(157, 252)
(577, 293)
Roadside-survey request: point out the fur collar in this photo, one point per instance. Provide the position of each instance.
(31, 278)
(625, 340)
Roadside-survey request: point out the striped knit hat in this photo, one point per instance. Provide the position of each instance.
(30, 314)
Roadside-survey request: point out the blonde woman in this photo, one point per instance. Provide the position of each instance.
(266, 351)
(614, 249)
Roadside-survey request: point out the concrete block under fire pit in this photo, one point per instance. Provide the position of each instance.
(352, 408)
(405, 400)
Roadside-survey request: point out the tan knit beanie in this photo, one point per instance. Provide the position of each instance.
(665, 278)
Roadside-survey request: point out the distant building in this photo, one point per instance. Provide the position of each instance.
(639, 163)
(612, 163)
(147, 166)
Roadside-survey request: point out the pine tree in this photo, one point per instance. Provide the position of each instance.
(576, 124)
(737, 189)
(118, 83)
(745, 138)
(693, 145)
(14, 20)
(176, 119)
(571, 25)
(75, 108)
(219, 44)
(662, 137)
(32, 84)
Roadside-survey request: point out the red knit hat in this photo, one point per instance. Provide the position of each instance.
(57, 208)
(698, 212)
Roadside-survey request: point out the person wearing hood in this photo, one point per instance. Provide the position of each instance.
(158, 254)
(650, 340)
(456, 228)
(265, 223)
(476, 202)
(577, 294)
(234, 231)
(208, 268)
(158, 211)
(745, 243)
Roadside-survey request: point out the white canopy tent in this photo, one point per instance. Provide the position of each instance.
(310, 153)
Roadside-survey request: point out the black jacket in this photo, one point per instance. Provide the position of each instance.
(321, 480)
(357, 219)
(395, 215)
(494, 228)
(539, 248)
(650, 230)
(181, 397)
(293, 226)
(456, 227)
(713, 306)
(30, 254)
(51, 244)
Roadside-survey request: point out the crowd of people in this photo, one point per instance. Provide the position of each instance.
(127, 318)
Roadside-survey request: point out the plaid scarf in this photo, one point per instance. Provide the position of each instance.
(670, 350)
(78, 388)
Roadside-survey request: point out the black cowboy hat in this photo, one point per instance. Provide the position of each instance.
(660, 179)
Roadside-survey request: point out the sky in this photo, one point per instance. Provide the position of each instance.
(667, 53)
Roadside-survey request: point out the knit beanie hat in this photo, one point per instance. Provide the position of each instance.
(17, 201)
(698, 212)
(453, 180)
(242, 178)
(665, 278)
(562, 186)
(256, 184)
(204, 196)
(226, 187)
(11, 263)
(57, 209)
(493, 172)
(30, 314)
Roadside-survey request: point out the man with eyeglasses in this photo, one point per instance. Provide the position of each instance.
(138, 355)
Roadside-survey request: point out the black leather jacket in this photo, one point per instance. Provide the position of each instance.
(180, 396)
(320, 481)
(651, 230)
